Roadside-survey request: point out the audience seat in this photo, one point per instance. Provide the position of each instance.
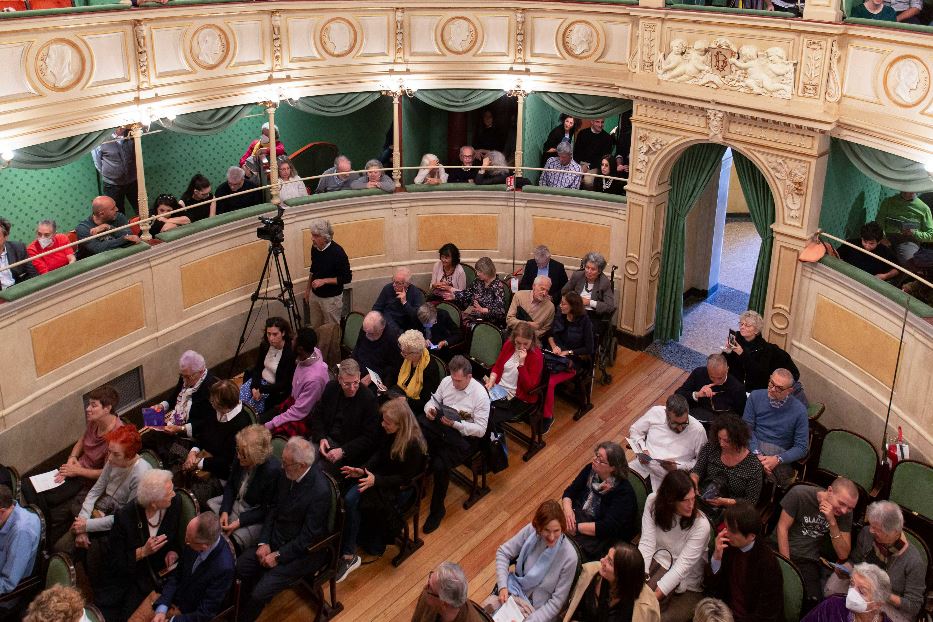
(189, 509)
(50, 4)
(410, 540)
(910, 488)
(793, 589)
(815, 410)
(485, 345)
(846, 454)
(16, 5)
(533, 415)
(278, 445)
(478, 465)
(93, 614)
(351, 331)
(231, 606)
(330, 545)
(61, 571)
(480, 612)
(470, 272)
(15, 480)
(452, 310)
(640, 486)
(150, 456)
(31, 585)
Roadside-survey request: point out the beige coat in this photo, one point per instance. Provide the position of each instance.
(646, 609)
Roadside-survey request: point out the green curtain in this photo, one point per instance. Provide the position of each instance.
(58, 152)
(760, 202)
(336, 105)
(458, 100)
(689, 178)
(888, 169)
(207, 121)
(586, 106)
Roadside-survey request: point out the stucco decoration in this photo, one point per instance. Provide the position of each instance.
(907, 81)
(833, 83)
(721, 65)
(458, 35)
(648, 146)
(59, 65)
(209, 46)
(520, 35)
(581, 40)
(793, 177)
(812, 67)
(399, 35)
(142, 54)
(338, 37)
(276, 40)
(649, 47)
(715, 121)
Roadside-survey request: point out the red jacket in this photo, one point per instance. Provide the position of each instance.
(53, 261)
(529, 374)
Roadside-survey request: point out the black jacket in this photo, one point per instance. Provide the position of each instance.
(359, 421)
(278, 391)
(763, 587)
(201, 408)
(299, 516)
(758, 361)
(16, 251)
(731, 395)
(199, 594)
(445, 329)
(261, 492)
(555, 270)
(617, 517)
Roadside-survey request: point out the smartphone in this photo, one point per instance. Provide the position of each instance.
(834, 566)
(732, 337)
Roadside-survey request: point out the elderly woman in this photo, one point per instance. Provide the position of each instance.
(447, 274)
(571, 340)
(495, 170)
(58, 603)
(516, 372)
(592, 285)
(260, 147)
(675, 534)
(84, 465)
(290, 184)
(882, 543)
(869, 590)
(725, 470)
(115, 487)
(615, 589)
(608, 185)
(164, 204)
(250, 491)
(712, 610)
(330, 272)
(484, 299)
(372, 519)
(374, 178)
(199, 193)
(599, 505)
(144, 541)
(270, 380)
(439, 329)
(545, 565)
(431, 172)
(752, 359)
(419, 376)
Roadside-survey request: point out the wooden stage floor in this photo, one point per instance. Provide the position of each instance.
(378, 591)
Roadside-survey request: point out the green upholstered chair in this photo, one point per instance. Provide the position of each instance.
(911, 483)
(150, 456)
(793, 589)
(451, 310)
(93, 614)
(849, 455)
(61, 571)
(351, 331)
(815, 410)
(189, 509)
(278, 445)
(485, 345)
(470, 273)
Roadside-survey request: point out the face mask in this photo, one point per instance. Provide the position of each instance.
(855, 602)
(45, 242)
(264, 140)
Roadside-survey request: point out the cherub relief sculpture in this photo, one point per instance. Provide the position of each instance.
(689, 65)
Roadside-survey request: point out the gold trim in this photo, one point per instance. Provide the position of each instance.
(225, 40)
(474, 39)
(565, 46)
(42, 56)
(322, 47)
(923, 81)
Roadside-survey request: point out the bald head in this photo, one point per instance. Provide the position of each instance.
(104, 208)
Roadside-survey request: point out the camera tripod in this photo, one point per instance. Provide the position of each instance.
(272, 230)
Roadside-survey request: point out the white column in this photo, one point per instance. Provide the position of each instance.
(142, 199)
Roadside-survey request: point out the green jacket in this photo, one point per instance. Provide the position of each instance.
(897, 207)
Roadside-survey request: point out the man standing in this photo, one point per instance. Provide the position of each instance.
(907, 223)
(779, 426)
(466, 172)
(104, 217)
(298, 518)
(399, 300)
(330, 272)
(343, 178)
(590, 147)
(667, 439)
(10, 253)
(236, 182)
(19, 543)
(377, 349)
(444, 597)
(711, 391)
(48, 240)
(115, 160)
(542, 264)
(563, 173)
(451, 441)
(534, 307)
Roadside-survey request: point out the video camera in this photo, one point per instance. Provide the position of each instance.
(272, 229)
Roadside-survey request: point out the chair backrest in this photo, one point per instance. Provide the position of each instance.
(815, 410)
(576, 578)
(485, 344)
(42, 535)
(189, 509)
(61, 571)
(16, 5)
(150, 456)
(50, 4)
(93, 614)
(916, 541)
(850, 455)
(15, 480)
(335, 516)
(351, 329)
(793, 589)
(641, 490)
(911, 483)
(470, 272)
(451, 310)
(253, 418)
(278, 445)
(441, 368)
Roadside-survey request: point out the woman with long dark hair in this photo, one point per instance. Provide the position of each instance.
(199, 191)
(269, 382)
(616, 589)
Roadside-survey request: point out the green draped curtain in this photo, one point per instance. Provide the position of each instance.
(888, 169)
(689, 177)
(336, 105)
(760, 202)
(586, 106)
(458, 100)
(207, 121)
(58, 152)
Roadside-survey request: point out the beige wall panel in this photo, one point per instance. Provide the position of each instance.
(422, 41)
(83, 330)
(359, 238)
(109, 54)
(568, 238)
(618, 41)
(13, 84)
(250, 43)
(846, 333)
(467, 231)
(544, 37)
(861, 66)
(301, 45)
(168, 58)
(375, 36)
(218, 274)
(496, 35)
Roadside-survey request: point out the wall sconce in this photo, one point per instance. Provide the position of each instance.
(6, 158)
(518, 90)
(396, 87)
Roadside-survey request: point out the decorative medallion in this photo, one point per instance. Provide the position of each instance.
(59, 65)
(458, 35)
(209, 46)
(580, 40)
(907, 81)
(338, 37)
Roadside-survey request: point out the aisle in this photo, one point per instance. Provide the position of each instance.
(380, 592)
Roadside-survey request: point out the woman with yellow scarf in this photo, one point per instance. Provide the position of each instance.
(419, 376)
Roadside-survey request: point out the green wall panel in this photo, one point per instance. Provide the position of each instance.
(539, 119)
(424, 130)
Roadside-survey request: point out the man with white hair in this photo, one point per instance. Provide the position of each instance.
(298, 518)
(533, 306)
(445, 597)
(377, 349)
(779, 426)
(236, 182)
(337, 177)
(399, 300)
(563, 169)
(330, 272)
(542, 264)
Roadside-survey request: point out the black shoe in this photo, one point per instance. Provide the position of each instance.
(433, 522)
(546, 424)
(346, 566)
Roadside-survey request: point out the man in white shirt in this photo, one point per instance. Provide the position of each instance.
(667, 438)
(451, 442)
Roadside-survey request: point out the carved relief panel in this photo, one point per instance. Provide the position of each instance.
(582, 38)
(338, 39)
(460, 35)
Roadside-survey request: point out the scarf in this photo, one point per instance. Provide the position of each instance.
(183, 403)
(525, 580)
(414, 380)
(597, 488)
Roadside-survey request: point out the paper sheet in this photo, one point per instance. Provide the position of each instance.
(509, 612)
(45, 481)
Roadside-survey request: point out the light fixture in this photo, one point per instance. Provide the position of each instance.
(519, 89)
(928, 165)
(396, 87)
(6, 157)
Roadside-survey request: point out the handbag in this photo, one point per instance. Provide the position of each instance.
(498, 458)
(656, 569)
(555, 363)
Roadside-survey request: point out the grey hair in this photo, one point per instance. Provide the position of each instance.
(375, 316)
(677, 404)
(497, 163)
(563, 147)
(301, 450)
(462, 147)
(427, 158)
(341, 158)
(265, 126)
(887, 516)
(192, 361)
(403, 270)
(208, 529)
(753, 318)
(373, 164)
(717, 359)
(322, 228)
(48, 222)
(541, 251)
(785, 374)
(451, 584)
(541, 279)
(235, 173)
(615, 456)
(348, 367)
(485, 266)
(596, 258)
(427, 313)
(411, 340)
(880, 582)
(712, 610)
(151, 486)
(461, 364)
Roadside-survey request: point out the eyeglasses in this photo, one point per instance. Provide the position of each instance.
(777, 387)
(427, 587)
(598, 460)
(674, 425)
(351, 384)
